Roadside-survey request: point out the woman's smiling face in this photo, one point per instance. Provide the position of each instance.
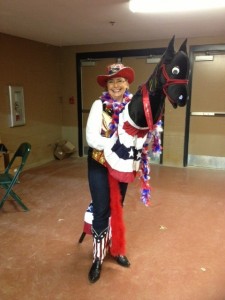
(117, 87)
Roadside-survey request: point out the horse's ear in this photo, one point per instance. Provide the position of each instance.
(183, 47)
(171, 43)
(169, 53)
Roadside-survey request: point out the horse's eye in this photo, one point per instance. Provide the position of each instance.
(175, 70)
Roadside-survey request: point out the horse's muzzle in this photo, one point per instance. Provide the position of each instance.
(177, 94)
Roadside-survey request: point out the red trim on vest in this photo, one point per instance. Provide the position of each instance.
(122, 176)
(134, 131)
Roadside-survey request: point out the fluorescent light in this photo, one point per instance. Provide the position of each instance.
(154, 6)
(153, 60)
(204, 58)
(88, 63)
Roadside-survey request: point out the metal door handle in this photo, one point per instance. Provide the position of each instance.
(208, 114)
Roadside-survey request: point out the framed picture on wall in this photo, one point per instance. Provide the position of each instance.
(17, 109)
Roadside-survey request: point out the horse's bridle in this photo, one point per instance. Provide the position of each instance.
(146, 102)
(170, 81)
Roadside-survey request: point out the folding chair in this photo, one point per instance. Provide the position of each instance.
(7, 180)
(4, 151)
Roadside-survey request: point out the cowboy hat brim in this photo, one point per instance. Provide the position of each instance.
(126, 73)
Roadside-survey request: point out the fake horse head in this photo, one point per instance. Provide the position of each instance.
(172, 74)
(169, 79)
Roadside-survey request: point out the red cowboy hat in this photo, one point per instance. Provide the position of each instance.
(116, 70)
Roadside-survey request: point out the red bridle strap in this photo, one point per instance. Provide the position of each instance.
(170, 81)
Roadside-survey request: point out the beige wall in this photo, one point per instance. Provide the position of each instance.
(48, 76)
(69, 80)
(36, 67)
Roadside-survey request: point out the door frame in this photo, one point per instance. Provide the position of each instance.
(193, 50)
(148, 52)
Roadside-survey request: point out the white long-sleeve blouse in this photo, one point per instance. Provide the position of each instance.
(94, 128)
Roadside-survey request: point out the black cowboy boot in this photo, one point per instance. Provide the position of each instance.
(100, 244)
(122, 260)
(95, 271)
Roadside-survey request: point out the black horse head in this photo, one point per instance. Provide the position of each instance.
(172, 74)
(169, 79)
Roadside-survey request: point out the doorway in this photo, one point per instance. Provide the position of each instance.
(205, 120)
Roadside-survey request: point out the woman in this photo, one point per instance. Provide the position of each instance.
(101, 133)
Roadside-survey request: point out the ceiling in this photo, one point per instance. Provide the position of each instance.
(82, 22)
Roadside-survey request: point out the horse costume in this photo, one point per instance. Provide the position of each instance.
(137, 125)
